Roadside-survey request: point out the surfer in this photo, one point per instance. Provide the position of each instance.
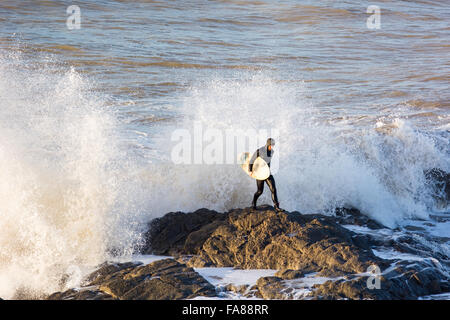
(266, 153)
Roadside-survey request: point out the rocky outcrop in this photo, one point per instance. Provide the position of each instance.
(160, 280)
(264, 239)
(176, 232)
(81, 294)
(354, 217)
(316, 257)
(299, 245)
(405, 281)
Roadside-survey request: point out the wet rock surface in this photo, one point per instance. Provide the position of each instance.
(439, 180)
(165, 279)
(177, 232)
(316, 257)
(311, 244)
(264, 239)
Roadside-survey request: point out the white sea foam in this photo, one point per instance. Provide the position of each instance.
(221, 277)
(323, 165)
(63, 204)
(224, 276)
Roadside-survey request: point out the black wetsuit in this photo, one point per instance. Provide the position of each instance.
(266, 155)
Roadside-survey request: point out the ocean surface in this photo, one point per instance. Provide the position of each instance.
(87, 117)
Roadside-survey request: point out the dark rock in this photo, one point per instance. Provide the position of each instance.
(160, 280)
(177, 232)
(439, 181)
(414, 228)
(355, 217)
(289, 274)
(237, 288)
(107, 270)
(405, 282)
(272, 288)
(85, 294)
(253, 292)
(268, 240)
(296, 245)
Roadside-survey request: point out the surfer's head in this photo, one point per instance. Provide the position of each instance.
(270, 143)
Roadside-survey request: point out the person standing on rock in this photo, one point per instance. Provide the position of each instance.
(266, 153)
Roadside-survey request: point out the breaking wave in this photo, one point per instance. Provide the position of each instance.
(73, 193)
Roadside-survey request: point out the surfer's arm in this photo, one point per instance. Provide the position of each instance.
(252, 160)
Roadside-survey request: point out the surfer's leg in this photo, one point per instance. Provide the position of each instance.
(260, 186)
(273, 189)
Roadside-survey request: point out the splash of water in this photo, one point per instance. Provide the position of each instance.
(322, 164)
(62, 201)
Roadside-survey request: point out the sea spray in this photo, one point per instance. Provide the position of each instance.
(64, 200)
(324, 164)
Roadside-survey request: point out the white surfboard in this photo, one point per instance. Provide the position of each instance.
(261, 170)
